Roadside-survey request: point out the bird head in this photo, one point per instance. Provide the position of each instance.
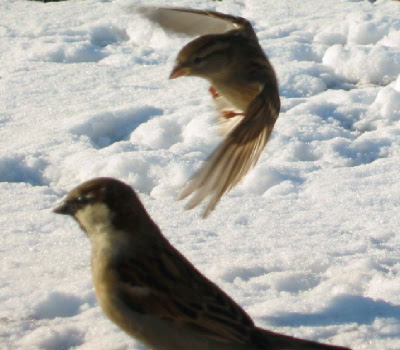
(205, 57)
(102, 202)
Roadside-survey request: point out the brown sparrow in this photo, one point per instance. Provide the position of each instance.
(244, 88)
(149, 289)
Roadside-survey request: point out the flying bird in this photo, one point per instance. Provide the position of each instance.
(149, 289)
(243, 85)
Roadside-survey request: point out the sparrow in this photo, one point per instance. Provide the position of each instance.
(243, 85)
(149, 289)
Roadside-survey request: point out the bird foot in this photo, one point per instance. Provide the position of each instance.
(230, 114)
(214, 93)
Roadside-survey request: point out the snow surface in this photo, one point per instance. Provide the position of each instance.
(308, 244)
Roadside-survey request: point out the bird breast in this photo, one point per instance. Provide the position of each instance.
(239, 94)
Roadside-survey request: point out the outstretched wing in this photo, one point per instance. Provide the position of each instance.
(193, 22)
(237, 154)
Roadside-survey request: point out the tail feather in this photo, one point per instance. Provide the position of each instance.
(266, 340)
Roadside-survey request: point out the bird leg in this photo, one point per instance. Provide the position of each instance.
(214, 93)
(230, 113)
(227, 113)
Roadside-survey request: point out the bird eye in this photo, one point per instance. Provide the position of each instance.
(85, 198)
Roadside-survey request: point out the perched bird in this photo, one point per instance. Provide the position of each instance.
(244, 88)
(149, 289)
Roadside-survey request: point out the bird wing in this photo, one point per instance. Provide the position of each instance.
(170, 287)
(237, 154)
(193, 22)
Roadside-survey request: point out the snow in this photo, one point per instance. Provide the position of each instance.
(308, 243)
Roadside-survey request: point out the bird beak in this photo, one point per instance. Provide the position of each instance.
(63, 208)
(179, 71)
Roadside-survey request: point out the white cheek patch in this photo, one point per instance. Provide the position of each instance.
(94, 217)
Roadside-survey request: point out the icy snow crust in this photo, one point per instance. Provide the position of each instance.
(308, 244)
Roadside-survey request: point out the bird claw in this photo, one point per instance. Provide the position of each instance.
(214, 93)
(230, 114)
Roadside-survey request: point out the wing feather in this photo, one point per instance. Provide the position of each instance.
(237, 154)
(192, 22)
(182, 296)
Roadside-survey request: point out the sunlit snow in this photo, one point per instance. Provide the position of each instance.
(308, 243)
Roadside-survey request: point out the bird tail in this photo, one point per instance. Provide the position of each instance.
(270, 340)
